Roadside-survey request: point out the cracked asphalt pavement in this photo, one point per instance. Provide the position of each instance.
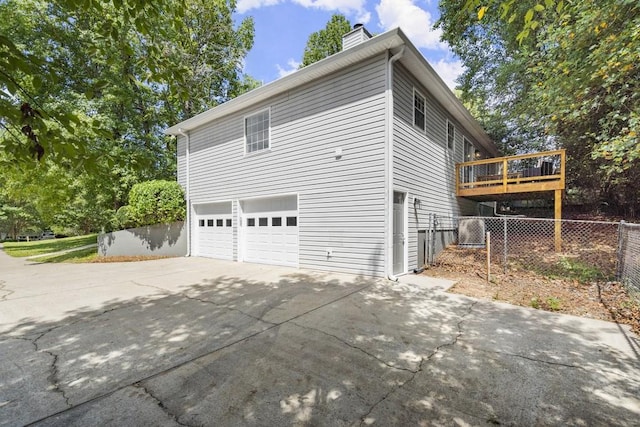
(193, 342)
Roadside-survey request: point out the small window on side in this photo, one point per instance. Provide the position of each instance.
(228, 222)
(419, 116)
(263, 222)
(251, 222)
(209, 223)
(276, 221)
(451, 135)
(201, 223)
(292, 221)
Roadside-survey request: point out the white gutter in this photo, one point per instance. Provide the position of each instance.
(187, 193)
(388, 163)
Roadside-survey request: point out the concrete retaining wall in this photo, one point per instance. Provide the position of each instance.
(160, 239)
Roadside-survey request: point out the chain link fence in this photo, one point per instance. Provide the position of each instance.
(629, 256)
(581, 250)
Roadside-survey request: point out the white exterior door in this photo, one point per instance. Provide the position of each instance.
(398, 232)
(270, 231)
(213, 231)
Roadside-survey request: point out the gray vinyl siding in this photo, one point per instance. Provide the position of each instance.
(423, 166)
(340, 201)
(182, 161)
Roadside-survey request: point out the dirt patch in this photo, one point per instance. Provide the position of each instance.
(135, 258)
(596, 299)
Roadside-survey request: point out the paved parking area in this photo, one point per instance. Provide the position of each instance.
(192, 341)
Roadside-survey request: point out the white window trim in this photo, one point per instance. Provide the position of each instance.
(244, 132)
(466, 142)
(453, 145)
(413, 110)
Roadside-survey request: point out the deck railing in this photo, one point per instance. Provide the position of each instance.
(543, 171)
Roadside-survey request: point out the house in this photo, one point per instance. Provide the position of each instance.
(334, 167)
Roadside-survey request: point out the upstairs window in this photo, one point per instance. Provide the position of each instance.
(256, 131)
(451, 135)
(469, 150)
(419, 110)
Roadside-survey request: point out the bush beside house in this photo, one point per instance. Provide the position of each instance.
(152, 202)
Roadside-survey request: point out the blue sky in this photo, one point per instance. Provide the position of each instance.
(282, 28)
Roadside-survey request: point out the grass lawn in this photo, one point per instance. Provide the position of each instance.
(25, 249)
(83, 255)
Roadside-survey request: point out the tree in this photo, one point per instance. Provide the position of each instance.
(327, 41)
(33, 124)
(111, 71)
(560, 73)
(15, 220)
(103, 93)
(156, 202)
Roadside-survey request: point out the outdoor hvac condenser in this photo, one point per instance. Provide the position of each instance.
(471, 232)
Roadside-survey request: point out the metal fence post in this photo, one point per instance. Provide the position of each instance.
(433, 239)
(488, 256)
(504, 245)
(428, 237)
(620, 251)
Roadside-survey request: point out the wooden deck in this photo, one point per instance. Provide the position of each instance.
(527, 176)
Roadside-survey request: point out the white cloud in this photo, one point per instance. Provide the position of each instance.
(347, 7)
(448, 71)
(245, 5)
(292, 66)
(416, 22)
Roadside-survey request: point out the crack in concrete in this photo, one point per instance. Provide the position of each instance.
(532, 359)
(206, 301)
(164, 291)
(53, 376)
(363, 419)
(8, 293)
(458, 334)
(185, 362)
(53, 367)
(355, 347)
(202, 300)
(161, 404)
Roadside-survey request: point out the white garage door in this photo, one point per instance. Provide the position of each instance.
(270, 231)
(213, 231)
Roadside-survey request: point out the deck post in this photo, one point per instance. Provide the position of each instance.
(504, 175)
(558, 217)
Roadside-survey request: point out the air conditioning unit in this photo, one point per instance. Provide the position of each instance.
(471, 233)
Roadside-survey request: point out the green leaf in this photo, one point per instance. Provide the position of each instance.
(481, 12)
(528, 16)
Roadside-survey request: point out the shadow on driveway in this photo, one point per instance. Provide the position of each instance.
(307, 349)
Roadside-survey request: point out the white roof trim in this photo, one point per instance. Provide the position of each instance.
(413, 60)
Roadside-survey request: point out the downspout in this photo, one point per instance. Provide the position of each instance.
(187, 193)
(388, 162)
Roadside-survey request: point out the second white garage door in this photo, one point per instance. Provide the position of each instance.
(270, 231)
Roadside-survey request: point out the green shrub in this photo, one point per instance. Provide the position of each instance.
(155, 202)
(122, 218)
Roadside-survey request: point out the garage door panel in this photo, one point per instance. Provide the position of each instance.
(270, 240)
(213, 233)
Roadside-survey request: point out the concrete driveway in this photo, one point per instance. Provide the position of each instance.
(192, 341)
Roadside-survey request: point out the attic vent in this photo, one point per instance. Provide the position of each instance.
(471, 233)
(358, 35)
